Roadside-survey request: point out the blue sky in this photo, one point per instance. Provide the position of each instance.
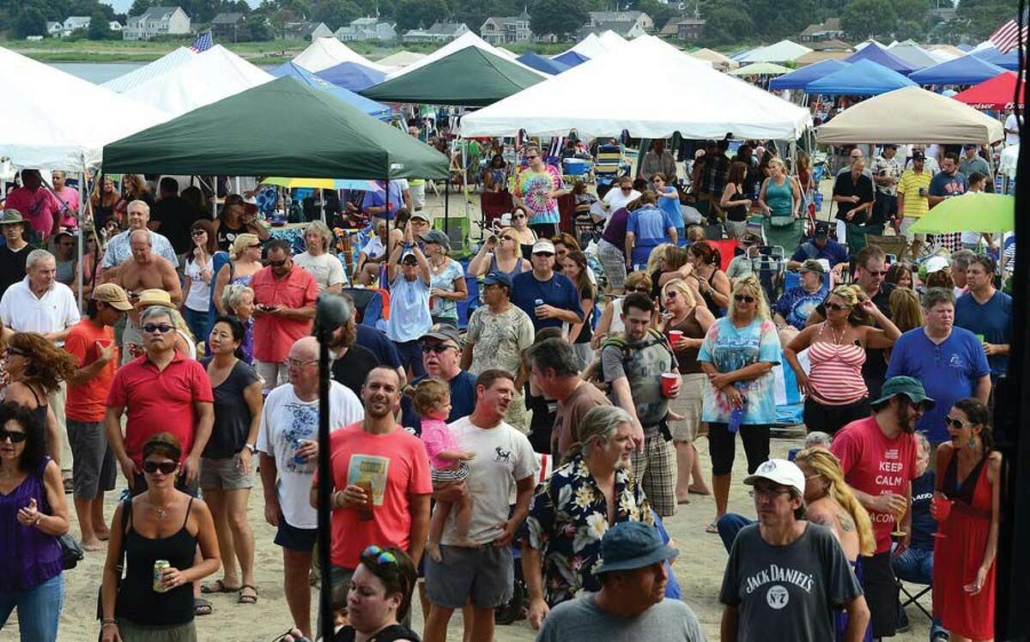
(121, 6)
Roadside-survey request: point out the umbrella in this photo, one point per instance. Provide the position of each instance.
(323, 183)
(976, 212)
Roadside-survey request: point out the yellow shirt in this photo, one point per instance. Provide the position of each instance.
(915, 205)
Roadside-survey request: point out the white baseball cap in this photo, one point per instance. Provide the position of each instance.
(782, 472)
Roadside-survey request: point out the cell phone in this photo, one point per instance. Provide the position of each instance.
(765, 250)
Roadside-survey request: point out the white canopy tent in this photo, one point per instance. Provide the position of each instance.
(465, 40)
(612, 41)
(782, 51)
(910, 115)
(162, 65)
(59, 121)
(697, 101)
(324, 53)
(211, 76)
(400, 59)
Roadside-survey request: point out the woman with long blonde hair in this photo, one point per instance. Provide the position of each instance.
(244, 261)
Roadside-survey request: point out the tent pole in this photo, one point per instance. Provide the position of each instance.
(386, 212)
(81, 234)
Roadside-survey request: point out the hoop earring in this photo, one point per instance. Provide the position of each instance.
(973, 443)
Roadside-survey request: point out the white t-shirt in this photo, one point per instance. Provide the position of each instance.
(22, 311)
(199, 297)
(326, 269)
(616, 200)
(374, 249)
(503, 455)
(286, 419)
(1012, 123)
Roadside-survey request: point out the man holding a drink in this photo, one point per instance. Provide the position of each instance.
(913, 199)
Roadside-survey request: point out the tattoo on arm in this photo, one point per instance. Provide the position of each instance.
(821, 519)
(845, 521)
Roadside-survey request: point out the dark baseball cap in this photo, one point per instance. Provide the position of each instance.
(497, 278)
(443, 332)
(918, 155)
(822, 229)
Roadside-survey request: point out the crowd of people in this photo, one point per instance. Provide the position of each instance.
(547, 439)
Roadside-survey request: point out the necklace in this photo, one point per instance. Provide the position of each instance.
(838, 338)
(162, 511)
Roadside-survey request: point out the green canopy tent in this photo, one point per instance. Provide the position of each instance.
(280, 128)
(469, 77)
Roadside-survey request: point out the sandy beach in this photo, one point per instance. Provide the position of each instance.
(699, 569)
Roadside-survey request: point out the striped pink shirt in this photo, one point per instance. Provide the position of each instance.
(835, 376)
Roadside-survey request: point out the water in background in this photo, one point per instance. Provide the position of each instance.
(97, 72)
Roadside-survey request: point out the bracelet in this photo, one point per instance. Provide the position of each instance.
(108, 621)
(39, 518)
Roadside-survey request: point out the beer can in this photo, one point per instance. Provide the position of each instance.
(159, 569)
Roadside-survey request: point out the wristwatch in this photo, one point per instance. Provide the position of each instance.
(251, 447)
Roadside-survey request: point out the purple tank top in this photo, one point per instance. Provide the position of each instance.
(28, 556)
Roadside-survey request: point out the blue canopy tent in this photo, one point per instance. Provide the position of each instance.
(571, 58)
(352, 75)
(863, 78)
(882, 57)
(370, 107)
(1009, 61)
(967, 70)
(799, 78)
(538, 62)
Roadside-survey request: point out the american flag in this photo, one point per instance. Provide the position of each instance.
(1008, 36)
(202, 43)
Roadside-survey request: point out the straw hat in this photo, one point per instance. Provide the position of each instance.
(148, 298)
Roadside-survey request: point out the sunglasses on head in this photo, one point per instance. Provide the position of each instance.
(437, 347)
(10, 350)
(166, 467)
(745, 298)
(161, 328)
(379, 555)
(15, 436)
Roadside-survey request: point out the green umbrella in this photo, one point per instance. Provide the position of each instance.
(977, 212)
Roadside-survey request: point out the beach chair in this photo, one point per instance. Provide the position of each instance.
(895, 244)
(769, 266)
(457, 231)
(609, 164)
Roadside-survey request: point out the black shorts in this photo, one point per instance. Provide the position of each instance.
(881, 593)
(295, 539)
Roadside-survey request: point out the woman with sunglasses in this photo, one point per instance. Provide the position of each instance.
(691, 321)
(226, 469)
(738, 355)
(537, 188)
(610, 324)
(244, 262)
(199, 274)
(500, 254)
(835, 392)
(446, 281)
(34, 512)
(409, 275)
(966, 505)
(525, 235)
(35, 367)
(669, 202)
(712, 282)
(161, 523)
(234, 220)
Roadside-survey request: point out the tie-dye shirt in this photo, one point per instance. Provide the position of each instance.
(730, 348)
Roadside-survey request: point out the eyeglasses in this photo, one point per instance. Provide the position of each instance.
(836, 306)
(14, 436)
(954, 423)
(202, 233)
(166, 467)
(278, 263)
(768, 492)
(437, 348)
(379, 555)
(14, 351)
(642, 290)
(161, 328)
(743, 298)
(295, 363)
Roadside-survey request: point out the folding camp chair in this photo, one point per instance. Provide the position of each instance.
(896, 244)
(457, 231)
(769, 266)
(609, 164)
(914, 596)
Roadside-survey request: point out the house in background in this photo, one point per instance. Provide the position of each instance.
(75, 23)
(225, 26)
(309, 31)
(53, 29)
(828, 30)
(156, 21)
(362, 29)
(506, 30)
(440, 32)
(621, 22)
(683, 29)
(114, 25)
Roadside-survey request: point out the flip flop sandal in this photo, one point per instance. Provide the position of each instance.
(712, 528)
(218, 586)
(247, 599)
(202, 607)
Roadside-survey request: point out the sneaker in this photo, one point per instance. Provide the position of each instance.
(940, 636)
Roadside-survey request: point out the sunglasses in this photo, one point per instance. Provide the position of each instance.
(161, 328)
(948, 421)
(379, 555)
(875, 273)
(278, 263)
(508, 238)
(14, 436)
(641, 290)
(739, 298)
(14, 351)
(836, 306)
(166, 467)
(437, 348)
(256, 246)
(202, 233)
(532, 157)
(520, 216)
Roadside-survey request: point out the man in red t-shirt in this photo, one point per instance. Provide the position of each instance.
(36, 204)
(94, 469)
(163, 392)
(379, 452)
(878, 458)
(284, 309)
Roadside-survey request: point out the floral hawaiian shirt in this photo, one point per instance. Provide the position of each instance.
(568, 519)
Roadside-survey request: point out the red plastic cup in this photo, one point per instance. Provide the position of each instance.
(104, 343)
(669, 380)
(942, 507)
(675, 336)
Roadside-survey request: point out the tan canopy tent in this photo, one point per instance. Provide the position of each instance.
(910, 115)
(718, 60)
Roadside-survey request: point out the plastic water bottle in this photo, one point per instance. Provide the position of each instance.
(737, 417)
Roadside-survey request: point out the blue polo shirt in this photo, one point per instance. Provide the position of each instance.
(948, 371)
(558, 291)
(833, 252)
(992, 319)
(650, 228)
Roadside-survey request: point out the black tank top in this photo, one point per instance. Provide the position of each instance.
(39, 412)
(226, 235)
(137, 600)
(737, 213)
(389, 634)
